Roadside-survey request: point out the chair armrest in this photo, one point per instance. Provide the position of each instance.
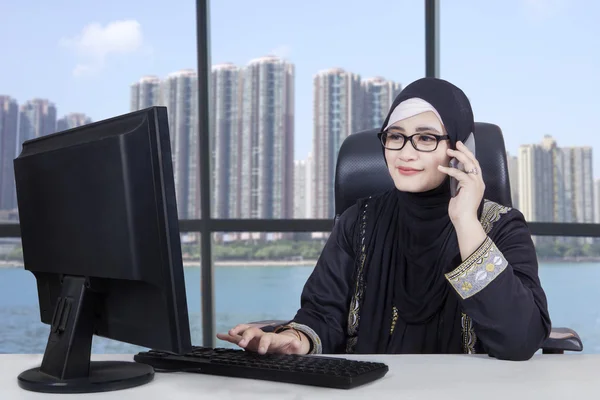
(561, 340)
(268, 325)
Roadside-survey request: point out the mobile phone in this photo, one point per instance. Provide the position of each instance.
(454, 163)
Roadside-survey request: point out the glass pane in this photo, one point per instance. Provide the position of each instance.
(569, 269)
(260, 276)
(92, 63)
(257, 279)
(19, 311)
(539, 85)
(190, 246)
(23, 332)
(284, 102)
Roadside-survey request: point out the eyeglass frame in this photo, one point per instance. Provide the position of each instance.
(438, 139)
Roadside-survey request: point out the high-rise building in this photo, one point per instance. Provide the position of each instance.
(563, 190)
(556, 184)
(226, 141)
(37, 118)
(9, 116)
(513, 177)
(303, 188)
(72, 120)
(268, 139)
(343, 104)
(574, 188)
(299, 189)
(180, 95)
(145, 93)
(538, 171)
(573, 192)
(310, 178)
(379, 94)
(583, 182)
(597, 203)
(338, 112)
(536, 181)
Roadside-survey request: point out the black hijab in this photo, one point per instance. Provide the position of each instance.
(410, 243)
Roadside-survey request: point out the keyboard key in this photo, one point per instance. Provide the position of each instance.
(329, 372)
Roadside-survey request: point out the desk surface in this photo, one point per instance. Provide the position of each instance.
(410, 377)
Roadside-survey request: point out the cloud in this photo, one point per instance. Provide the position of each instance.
(283, 51)
(95, 44)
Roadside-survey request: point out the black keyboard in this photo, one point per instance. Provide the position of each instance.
(323, 371)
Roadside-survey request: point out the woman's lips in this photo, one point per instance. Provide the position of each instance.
(408, 170)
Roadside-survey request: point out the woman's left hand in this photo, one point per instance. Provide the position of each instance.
(463, 207)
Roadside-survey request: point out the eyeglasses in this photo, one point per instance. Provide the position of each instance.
(425, 142)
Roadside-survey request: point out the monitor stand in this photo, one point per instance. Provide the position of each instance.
(66, 366)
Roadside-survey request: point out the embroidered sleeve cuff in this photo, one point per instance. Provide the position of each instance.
(316, 346)
(477, 271)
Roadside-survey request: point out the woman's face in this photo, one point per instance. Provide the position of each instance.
(413, 170)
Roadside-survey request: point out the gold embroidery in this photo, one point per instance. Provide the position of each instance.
(468, 334)
(478, 256)
(355, 303)
(491, 213)
(317, 346)
(478, 270)
(394, 319)
(487, 262)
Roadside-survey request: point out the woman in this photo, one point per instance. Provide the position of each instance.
(414, 270)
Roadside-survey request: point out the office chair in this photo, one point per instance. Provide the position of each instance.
(361, 172)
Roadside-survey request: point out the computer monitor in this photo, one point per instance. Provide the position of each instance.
(99, 229)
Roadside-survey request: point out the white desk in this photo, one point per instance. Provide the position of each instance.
(572, 376)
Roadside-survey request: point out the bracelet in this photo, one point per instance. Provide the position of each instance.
(287, 328)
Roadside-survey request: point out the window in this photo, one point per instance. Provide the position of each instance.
(569, 269)
(260, 275)
(309, 64)
(91, 63)
(538, 84)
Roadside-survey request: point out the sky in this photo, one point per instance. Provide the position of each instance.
(530, 66)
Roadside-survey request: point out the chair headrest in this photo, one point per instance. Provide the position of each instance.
(361, 170)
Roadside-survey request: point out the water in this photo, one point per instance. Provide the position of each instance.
(245, 294)
(242, 294)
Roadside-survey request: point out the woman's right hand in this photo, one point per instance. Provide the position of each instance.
(252, 338)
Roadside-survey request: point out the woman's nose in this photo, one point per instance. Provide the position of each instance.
(408, 152)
